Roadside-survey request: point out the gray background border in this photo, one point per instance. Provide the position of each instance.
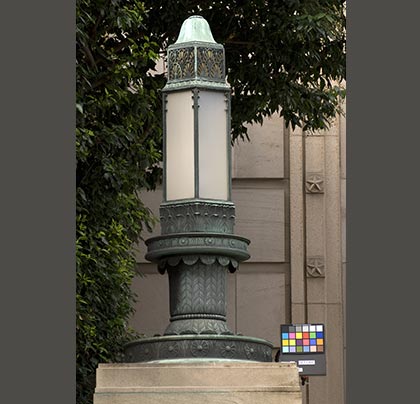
(37, 200)
(383, 219)
(37, 163)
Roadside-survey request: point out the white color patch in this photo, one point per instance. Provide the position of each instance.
(306, 362)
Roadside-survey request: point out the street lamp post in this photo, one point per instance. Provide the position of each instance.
(197, 247)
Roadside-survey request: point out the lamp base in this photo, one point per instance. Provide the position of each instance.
(206, 346)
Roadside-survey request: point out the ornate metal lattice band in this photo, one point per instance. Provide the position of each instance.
(199, 346)
(198, 316)
(208, 248)
(197, 216)
(198, 64)
(165, 263)
(181, 64)
(201, 61)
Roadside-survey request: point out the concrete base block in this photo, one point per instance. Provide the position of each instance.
(204, 382)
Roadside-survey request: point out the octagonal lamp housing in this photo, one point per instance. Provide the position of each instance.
(197, 149)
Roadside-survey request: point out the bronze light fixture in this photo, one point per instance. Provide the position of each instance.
(197, 247)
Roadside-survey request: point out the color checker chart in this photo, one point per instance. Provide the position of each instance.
(305, 345)
(303, 338)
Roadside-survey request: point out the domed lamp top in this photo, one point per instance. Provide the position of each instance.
(195, 29)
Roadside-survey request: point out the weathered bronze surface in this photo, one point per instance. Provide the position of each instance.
(197, 263)
(199, 346)
(197, 247)
(197, 216)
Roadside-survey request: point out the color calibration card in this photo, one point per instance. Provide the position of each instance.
(302, 338)
(305, 345)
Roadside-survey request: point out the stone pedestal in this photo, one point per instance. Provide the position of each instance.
(192, 382)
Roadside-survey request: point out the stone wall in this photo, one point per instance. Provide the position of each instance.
(317, 245)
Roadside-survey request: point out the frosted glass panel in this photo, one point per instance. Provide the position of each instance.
(213, 161)
(179, 146)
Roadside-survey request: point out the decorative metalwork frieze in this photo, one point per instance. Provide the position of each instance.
(228, 349)
(205, 346)
(228, 262)
(250, 351)
(181, 64)
(197, 241)
(144, 352)
(193, 246)
(315, 184)
(315, 267)
(198, 327)
(196, 63)
(171, 349)
(210, 63)
(200, 348)
(197, 316)
(197, 216)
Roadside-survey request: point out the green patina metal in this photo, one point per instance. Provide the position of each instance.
(196, 144)
(202, 66)
(197, 216)
(195, 28)
(197, 247)
(204, 347)
(164, 111)
(228, 140)
(229, 246)
(195, 60)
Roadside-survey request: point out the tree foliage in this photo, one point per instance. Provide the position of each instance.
(286, 56)
(118, 143)
(282, 55)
